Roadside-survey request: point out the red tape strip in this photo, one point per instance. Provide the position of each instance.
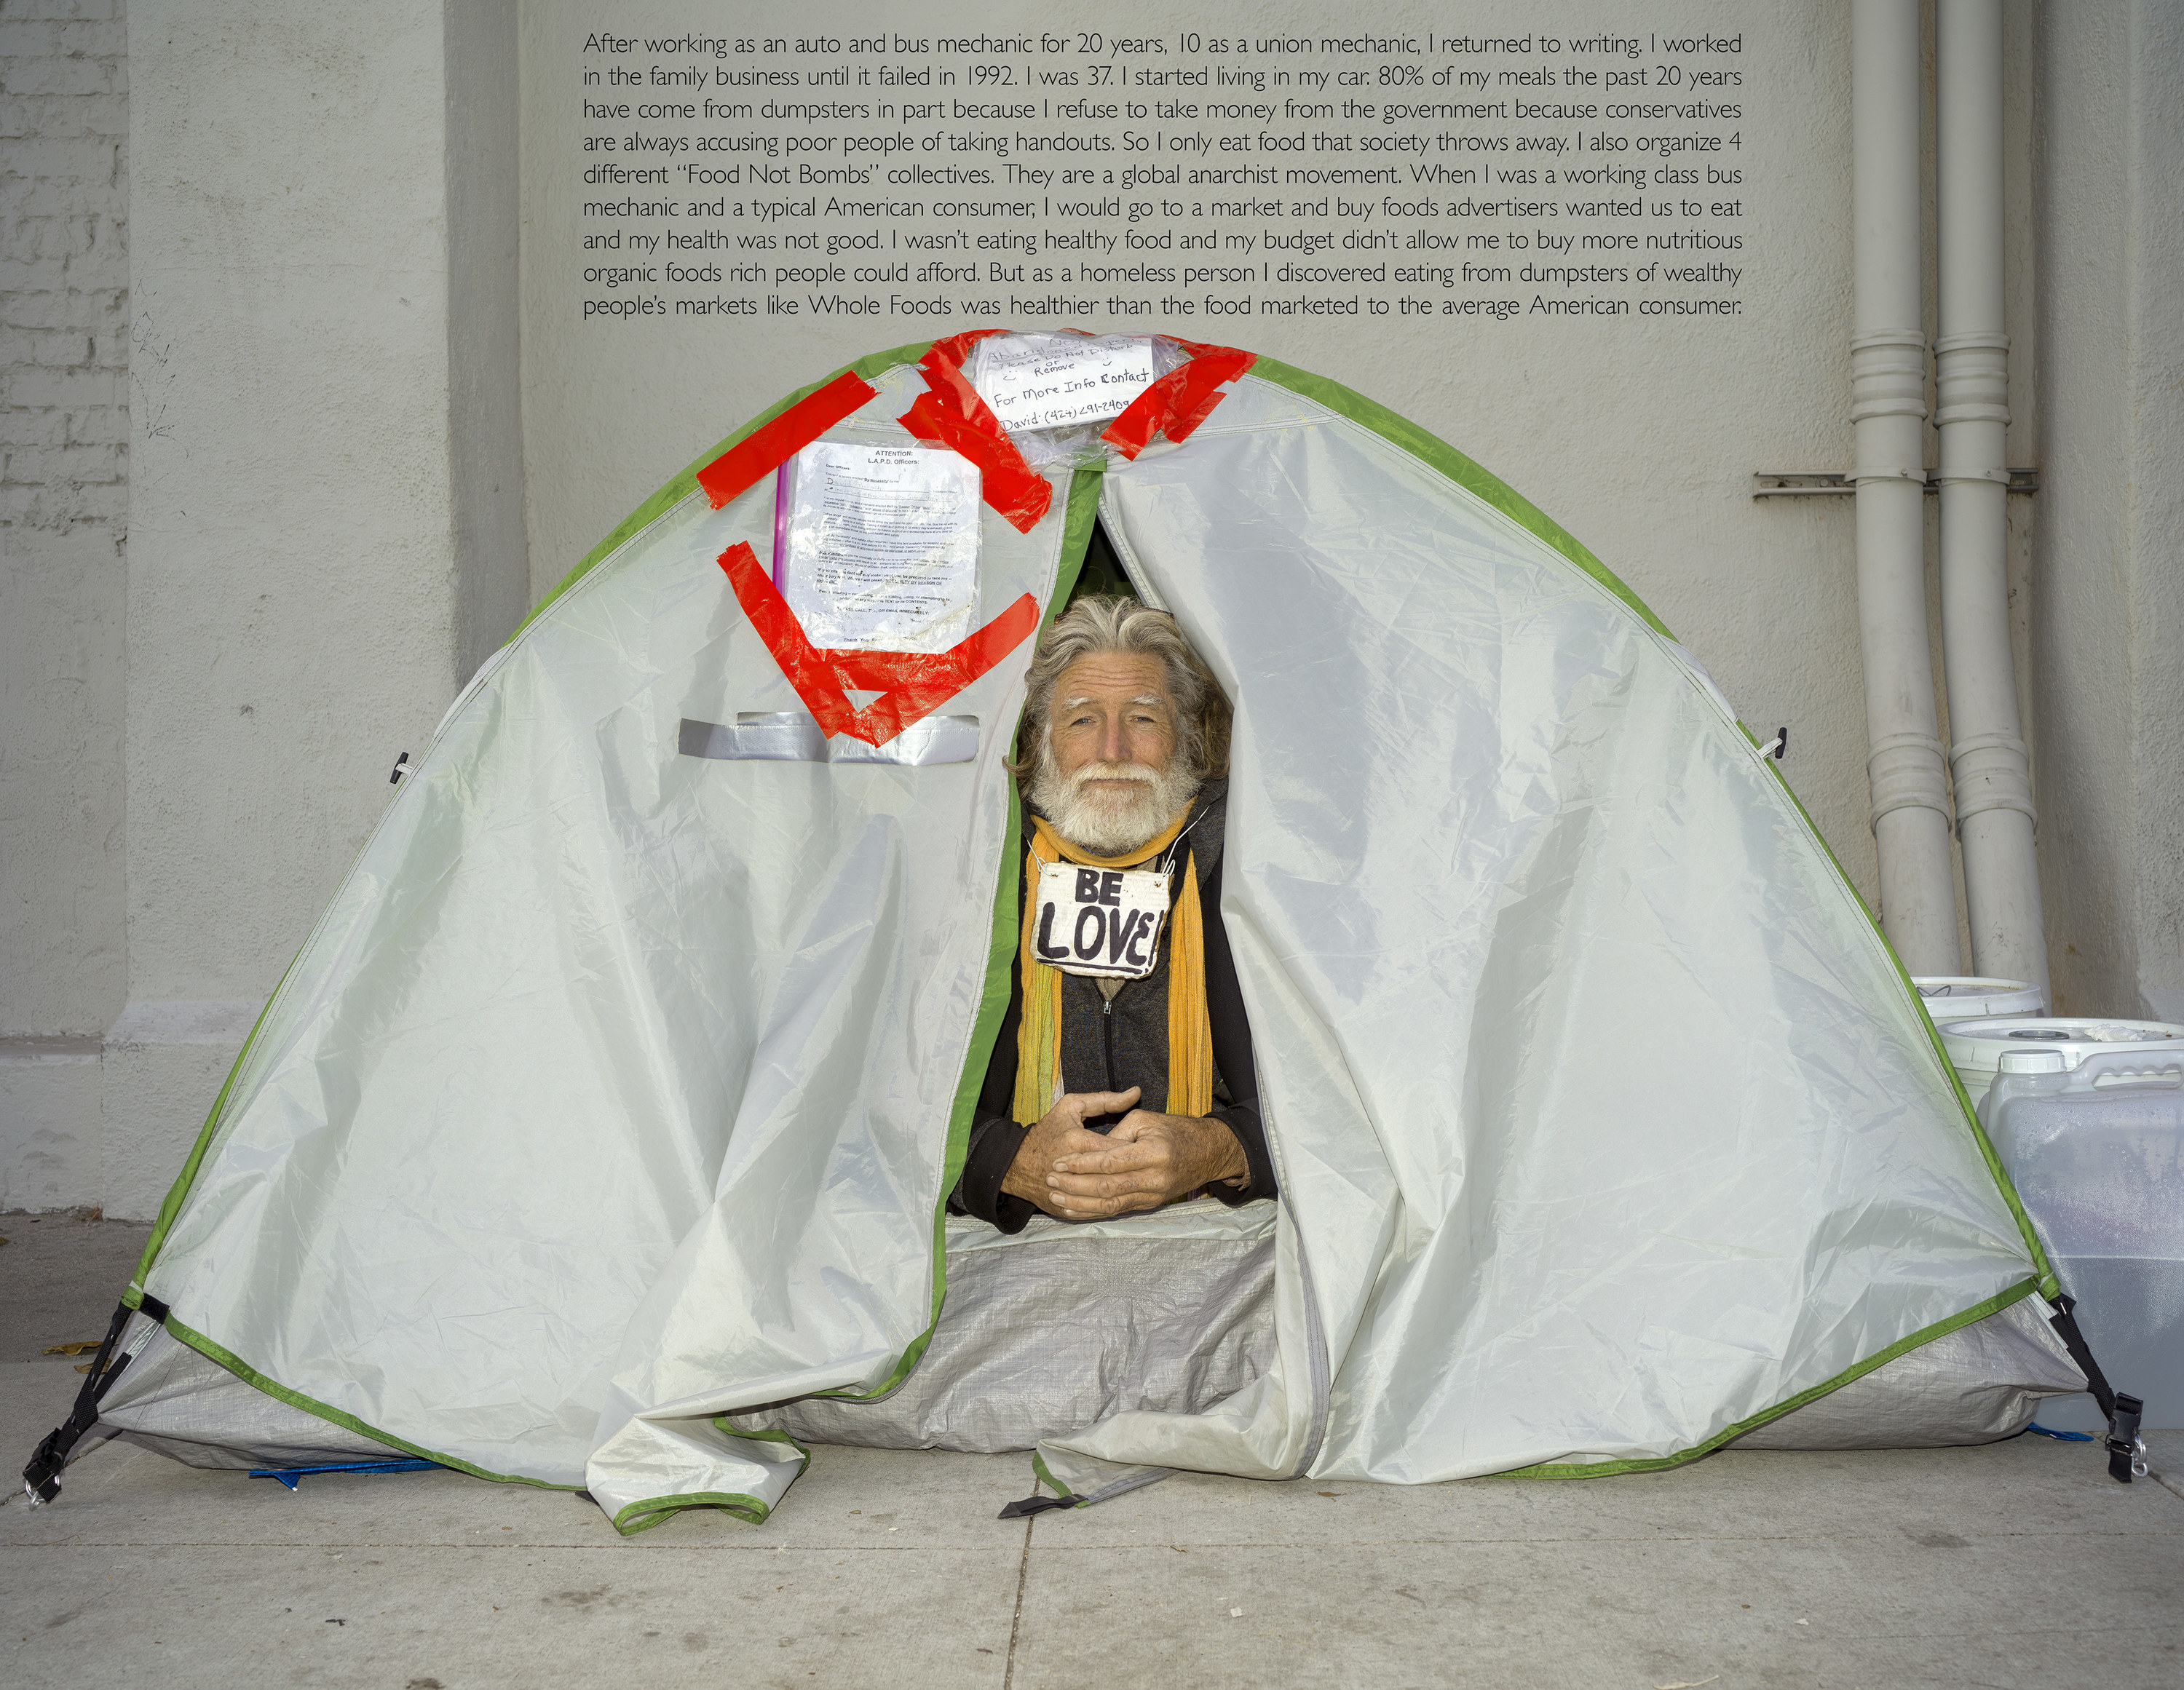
(1180, 400)
(911, 685)
(957, 348)
(949, 413)
(767, 448)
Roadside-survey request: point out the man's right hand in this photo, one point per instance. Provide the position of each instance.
(1058, 1132)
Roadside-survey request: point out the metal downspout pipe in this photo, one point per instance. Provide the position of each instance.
(1911, 817)
(1987, 755)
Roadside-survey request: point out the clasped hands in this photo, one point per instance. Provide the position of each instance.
(1147, 1160)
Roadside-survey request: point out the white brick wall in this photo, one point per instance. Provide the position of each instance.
(64, 262)
(64, 508)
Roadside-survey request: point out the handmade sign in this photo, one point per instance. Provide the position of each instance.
(1104, 921)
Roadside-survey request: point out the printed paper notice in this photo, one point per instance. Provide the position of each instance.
(1035, 382)
(879, 549)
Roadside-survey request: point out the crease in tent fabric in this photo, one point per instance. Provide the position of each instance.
(949, 413)
(916, 683)
(647, 1512)
(767, 448)
(1176, 404)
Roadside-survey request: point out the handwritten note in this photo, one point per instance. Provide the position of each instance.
(1039, 381)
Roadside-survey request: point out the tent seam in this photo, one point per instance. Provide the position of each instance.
(1904, 1346)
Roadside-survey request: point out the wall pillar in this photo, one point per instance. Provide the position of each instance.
(2107, 611)
(325, 446)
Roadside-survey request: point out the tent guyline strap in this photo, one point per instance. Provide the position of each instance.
(41, 1476)
(2127, 1449)
(1036, 1504)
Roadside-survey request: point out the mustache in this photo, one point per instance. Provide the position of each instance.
(1112, 771)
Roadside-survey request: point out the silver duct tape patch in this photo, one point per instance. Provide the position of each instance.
(792, 737)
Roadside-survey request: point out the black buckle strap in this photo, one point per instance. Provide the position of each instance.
(2126, 1454)
(42, 1477)
(1036, 1504)
(2122, 1410)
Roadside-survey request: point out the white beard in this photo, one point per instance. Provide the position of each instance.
(1110, 824)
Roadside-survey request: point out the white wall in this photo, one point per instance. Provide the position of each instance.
(2108, 586)
(360, 441)
(319, 366)
(64, 551)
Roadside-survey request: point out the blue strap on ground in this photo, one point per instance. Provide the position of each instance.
(291, 1477)
(2061, 1437)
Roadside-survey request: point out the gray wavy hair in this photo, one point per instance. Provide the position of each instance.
(1096, 624)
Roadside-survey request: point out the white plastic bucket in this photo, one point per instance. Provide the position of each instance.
(1975, 1048)
(1967, 998)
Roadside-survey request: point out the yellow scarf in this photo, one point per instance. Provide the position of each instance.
(1189, 1030)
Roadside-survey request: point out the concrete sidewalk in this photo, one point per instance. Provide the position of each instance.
(2018, 1564)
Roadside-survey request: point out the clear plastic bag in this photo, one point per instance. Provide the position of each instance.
(877, 547)
(1087, 380)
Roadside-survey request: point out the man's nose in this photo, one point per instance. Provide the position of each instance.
(1115, 741)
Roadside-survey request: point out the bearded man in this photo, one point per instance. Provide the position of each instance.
(1122, 1079)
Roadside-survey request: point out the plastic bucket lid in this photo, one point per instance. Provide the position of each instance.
(1967, 998)
(1977, 1047)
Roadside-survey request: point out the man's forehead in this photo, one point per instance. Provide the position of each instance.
(1130, 676)
(1075, 700)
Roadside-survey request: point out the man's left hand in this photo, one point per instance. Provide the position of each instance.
(1150, 1160)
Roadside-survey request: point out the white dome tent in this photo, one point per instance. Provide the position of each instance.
(600, 1134)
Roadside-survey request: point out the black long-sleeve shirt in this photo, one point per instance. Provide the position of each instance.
(1110, 1045)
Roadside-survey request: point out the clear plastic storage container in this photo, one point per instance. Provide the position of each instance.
(2096, 1150)
(1975, 1049)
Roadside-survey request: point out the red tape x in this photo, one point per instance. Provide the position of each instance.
(911, 685)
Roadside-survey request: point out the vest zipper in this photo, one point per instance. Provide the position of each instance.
(1107, 1036)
